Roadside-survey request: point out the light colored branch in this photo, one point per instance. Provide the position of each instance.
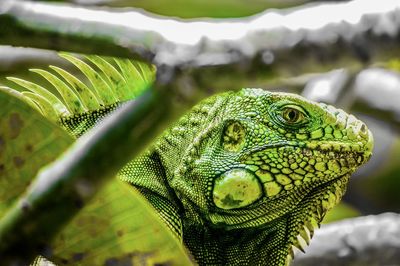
(369, 240)
(12, 58)
(288, 42)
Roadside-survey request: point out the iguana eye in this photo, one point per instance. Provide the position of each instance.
(292, 115)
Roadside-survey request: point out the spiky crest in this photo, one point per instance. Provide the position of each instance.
(80, 104)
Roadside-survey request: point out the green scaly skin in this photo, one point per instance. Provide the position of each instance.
(242, 177)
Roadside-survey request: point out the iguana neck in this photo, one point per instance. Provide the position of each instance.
(154, 171)
(251, 246)
(177, 146)
(268, 244)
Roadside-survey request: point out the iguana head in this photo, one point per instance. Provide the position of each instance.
(269, 156)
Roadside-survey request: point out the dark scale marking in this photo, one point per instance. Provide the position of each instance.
(170, 142)
(15, 123)
(230, 201)
(74, 123)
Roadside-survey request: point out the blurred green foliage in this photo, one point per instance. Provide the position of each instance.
(206, 8)
(340, 212)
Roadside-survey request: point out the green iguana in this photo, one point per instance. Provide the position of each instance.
(241, 178)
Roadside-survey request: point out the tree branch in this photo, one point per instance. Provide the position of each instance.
(12, 58)
(369, 240)
(282, 43)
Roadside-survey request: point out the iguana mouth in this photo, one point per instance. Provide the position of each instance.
(326, 147)
(309, 193)
(285, 173)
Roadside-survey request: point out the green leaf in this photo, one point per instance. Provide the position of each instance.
(22, 97)
(27, 142)
(118, 227)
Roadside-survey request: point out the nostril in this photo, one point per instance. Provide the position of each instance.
(363, 129)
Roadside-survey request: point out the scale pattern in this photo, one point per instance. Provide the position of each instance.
(241, 179)
(253, 173)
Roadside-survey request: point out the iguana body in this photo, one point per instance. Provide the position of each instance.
(243, 177)
(293, 156)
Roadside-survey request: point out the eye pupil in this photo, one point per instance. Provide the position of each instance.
(292, 115)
